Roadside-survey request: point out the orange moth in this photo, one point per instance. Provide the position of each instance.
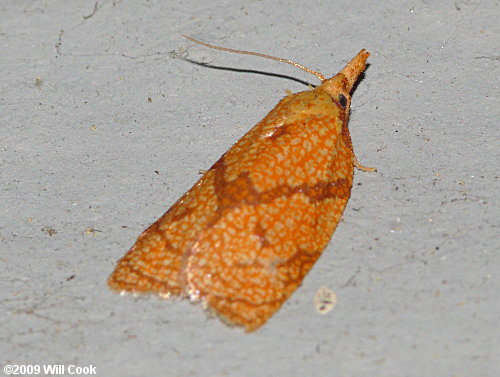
(243, 238)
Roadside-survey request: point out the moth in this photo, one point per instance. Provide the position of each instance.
(243, 238)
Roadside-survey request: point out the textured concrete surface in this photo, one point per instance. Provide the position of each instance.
(103, 126)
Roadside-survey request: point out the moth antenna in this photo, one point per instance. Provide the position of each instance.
(317, 74)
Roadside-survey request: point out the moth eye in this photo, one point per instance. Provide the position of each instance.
(342, 101)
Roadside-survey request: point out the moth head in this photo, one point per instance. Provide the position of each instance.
(340, 86)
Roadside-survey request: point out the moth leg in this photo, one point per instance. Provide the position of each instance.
(362, 167)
